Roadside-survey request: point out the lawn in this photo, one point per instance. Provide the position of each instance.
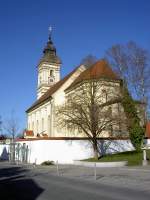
(133, 157)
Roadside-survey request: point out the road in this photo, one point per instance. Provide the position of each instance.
(22, 183)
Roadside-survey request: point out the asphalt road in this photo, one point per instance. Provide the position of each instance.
(19, 183)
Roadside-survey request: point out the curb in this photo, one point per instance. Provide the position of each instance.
(101, 164)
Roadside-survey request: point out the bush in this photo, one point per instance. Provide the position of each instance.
(136, 131)
(136, 136)
(48, 162)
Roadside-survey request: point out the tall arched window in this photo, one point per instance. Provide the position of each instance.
(105, 96)
(37, 126)
(32, 125)
(110, 111)
(28, 126)
(49, 125)
(42, 124)
(119, 116)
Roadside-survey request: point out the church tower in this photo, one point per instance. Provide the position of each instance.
(48, 68)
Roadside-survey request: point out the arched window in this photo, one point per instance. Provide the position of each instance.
(110, 111)
(119, 116)
(110, 127)
(32, 126)
(111, 130)
(42, 124)
(49, 125)
(105, 96)
(37, 126)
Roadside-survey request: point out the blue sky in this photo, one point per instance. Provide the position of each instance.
(80, 27)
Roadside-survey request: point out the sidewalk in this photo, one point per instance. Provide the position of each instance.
(128, 177)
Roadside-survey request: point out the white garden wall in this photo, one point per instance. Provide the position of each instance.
(66, 151)
(148, 142)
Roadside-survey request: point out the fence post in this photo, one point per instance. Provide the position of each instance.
(95, 172)
(57, 168)
(144, 162)
(34, 164)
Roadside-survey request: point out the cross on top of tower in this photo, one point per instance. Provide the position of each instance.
(50, 32)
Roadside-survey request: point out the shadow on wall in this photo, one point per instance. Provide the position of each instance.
(4, 155)
(15, 185)
(112, 146)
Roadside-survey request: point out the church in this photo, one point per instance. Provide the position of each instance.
(44, 138)
(52, 92)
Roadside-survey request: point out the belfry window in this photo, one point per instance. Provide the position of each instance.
(51, 72)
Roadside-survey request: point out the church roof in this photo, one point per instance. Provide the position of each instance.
(100, 69)
(45, 97)
(28, 133)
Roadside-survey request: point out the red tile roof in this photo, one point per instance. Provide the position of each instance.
(51, 91)
(100, 69)
(28, 133)
(148, 130)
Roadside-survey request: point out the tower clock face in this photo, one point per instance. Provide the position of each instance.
(51, 80)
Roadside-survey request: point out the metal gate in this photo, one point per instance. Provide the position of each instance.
(18, 153)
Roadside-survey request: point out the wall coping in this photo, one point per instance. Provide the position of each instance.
(70, 138)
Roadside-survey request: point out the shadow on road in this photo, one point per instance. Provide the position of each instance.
(14, 185)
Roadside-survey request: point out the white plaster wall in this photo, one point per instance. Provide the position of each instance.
(42, 112)
(148, 142)
(66, 151)
(59, 95)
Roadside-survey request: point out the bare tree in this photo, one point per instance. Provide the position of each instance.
(89, 111)
(131, 62)
(11, 126)
(88, 60)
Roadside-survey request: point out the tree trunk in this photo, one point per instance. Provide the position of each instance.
(95, 149)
